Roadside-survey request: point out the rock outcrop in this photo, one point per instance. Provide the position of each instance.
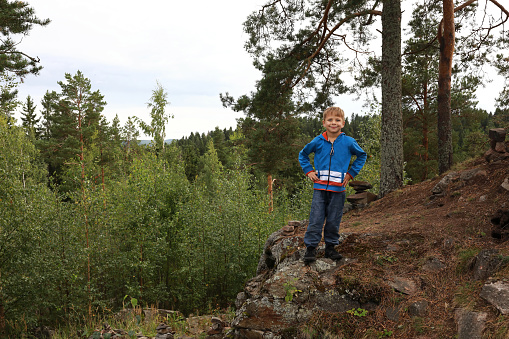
(286, 293)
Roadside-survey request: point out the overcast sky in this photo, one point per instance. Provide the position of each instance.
(195, 49)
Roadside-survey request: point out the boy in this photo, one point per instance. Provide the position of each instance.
(333, 150)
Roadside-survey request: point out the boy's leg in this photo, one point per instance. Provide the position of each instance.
(316, 218)
(334, 212)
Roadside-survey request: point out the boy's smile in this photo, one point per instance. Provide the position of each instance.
(333, 125)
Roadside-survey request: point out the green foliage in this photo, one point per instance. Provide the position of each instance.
(8, 95)
(30, 119)
(358, 312)
(465, 258)
(369, 140)
(384, 333)
(17, 19)
(157, 126)
(382, 260)
(290, 290)
(73, 121)
(222, 231)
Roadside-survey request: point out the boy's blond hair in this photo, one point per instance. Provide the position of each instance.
(334, 111)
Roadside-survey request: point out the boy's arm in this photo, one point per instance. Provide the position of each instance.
(357, 165)
(304, 159)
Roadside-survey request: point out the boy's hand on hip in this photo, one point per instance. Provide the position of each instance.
(348, 177)
(313, 176)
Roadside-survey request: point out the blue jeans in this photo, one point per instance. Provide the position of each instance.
(326, 206)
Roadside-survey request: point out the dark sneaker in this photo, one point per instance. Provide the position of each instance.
(310, 255)
(331, 253)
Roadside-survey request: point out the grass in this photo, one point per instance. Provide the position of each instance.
(465, 257)
(132, 323)
(466, 295)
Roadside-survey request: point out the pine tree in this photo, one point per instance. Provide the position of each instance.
(17, 18)
(8, 95)
(29, 119)
(72, 119)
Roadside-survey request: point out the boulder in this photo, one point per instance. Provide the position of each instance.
(470, 324)
(288, 230)
(486, 263)
(497, 294)
(287, 293)
(492, 156)
(441, 187)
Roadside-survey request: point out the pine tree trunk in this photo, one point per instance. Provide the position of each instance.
(446, 40)
(391, 176)
(271, 194)
(2, 318)
(425, 132)
(2, 313)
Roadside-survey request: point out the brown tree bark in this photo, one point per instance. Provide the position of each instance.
(391, 176)
(446, 40)
(270, 191)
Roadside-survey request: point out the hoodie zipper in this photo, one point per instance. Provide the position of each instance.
(330, 161)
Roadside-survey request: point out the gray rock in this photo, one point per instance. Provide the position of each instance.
(403, 285)
(433, 265)
(470, 324)
(472, 173)
(486, 263)
(347, 208)
(497, 294)
(241, 298)
(164, 336)
(392, 313)
(296, 223)
(441, 187)
(418, 308)
(505, 184)
(333, 301)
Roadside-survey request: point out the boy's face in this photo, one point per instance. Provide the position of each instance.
(333, 124)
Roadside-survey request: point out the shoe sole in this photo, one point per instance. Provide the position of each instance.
(309, 261)
(339, 258)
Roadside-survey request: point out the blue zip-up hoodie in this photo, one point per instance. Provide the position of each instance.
(332, 160)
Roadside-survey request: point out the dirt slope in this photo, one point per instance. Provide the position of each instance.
(409, 228)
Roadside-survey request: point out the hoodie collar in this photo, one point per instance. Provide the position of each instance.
(324, 135)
